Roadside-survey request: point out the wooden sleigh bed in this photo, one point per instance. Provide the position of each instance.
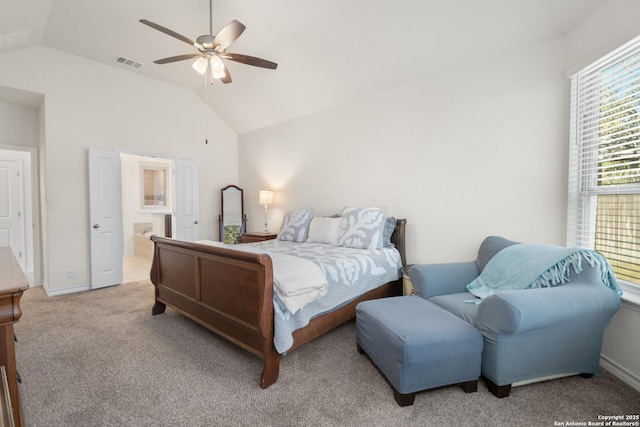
(230, 292)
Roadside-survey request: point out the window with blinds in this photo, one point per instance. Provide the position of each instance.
(604, 171)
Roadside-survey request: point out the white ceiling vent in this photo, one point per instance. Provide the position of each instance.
(128, 62)
(21, 37)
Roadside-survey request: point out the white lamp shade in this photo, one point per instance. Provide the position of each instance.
(266, 197)
(217, 67)
(200, 65)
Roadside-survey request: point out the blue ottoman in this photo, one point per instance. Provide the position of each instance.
(418, 345)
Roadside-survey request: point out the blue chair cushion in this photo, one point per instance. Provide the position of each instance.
(455, 304)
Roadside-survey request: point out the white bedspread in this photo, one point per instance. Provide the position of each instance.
(349, 273)
(297, 281)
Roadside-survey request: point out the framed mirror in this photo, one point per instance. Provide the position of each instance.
(155, 190)
(232, 221)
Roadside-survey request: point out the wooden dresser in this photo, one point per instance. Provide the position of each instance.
(12, 285)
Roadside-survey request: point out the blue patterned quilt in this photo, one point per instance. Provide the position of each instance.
(350, 273)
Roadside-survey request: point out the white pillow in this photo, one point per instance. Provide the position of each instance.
(324, 230)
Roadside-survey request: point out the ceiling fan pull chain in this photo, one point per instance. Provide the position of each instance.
(206, 104)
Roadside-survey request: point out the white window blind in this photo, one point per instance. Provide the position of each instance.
(604, 172)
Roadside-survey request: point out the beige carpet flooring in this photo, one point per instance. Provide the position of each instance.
(99, 358)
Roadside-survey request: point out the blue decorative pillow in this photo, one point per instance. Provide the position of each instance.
(295, 226)
(389, 227)
(362, 228)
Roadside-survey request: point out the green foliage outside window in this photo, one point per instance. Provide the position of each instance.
(617, 228)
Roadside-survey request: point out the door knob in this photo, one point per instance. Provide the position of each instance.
(96, 225)
(195, 222)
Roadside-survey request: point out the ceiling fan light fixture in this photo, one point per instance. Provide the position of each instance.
(200, 65)
(217, 67)
(211, 50)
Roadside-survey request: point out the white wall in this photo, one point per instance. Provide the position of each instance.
(609, 28)
(19, 134)
(461, 153)
(19, 125)
(88, 104)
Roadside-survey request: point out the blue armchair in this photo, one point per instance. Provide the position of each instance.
(529, 335)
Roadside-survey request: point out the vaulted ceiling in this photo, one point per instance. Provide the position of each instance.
(328, 52)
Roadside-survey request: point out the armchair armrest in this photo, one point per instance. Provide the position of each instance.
(512, 312)
(430, 280)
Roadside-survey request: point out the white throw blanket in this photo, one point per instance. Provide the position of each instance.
(296, 281)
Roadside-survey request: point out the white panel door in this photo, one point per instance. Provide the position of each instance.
(187, 193)
(8, 202)
(11, 220)
(105, 199)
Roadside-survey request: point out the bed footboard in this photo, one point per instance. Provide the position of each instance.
(227, 291)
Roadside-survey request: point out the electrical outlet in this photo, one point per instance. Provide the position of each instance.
(71, 274)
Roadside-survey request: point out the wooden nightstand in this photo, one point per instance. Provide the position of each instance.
(256, 236)
(407, 286)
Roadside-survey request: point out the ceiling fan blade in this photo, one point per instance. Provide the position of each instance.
(249, 60)
(168, 32)
(227, 77)
(228, 35)
(178, 58)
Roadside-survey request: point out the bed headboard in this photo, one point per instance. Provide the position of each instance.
(397, 238)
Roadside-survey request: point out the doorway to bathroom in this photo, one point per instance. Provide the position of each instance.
(146, 201)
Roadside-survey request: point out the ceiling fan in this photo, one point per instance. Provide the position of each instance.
(212, 49)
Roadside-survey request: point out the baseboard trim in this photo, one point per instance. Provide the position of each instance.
(30, 278)
(72, 290)
(620, 372)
